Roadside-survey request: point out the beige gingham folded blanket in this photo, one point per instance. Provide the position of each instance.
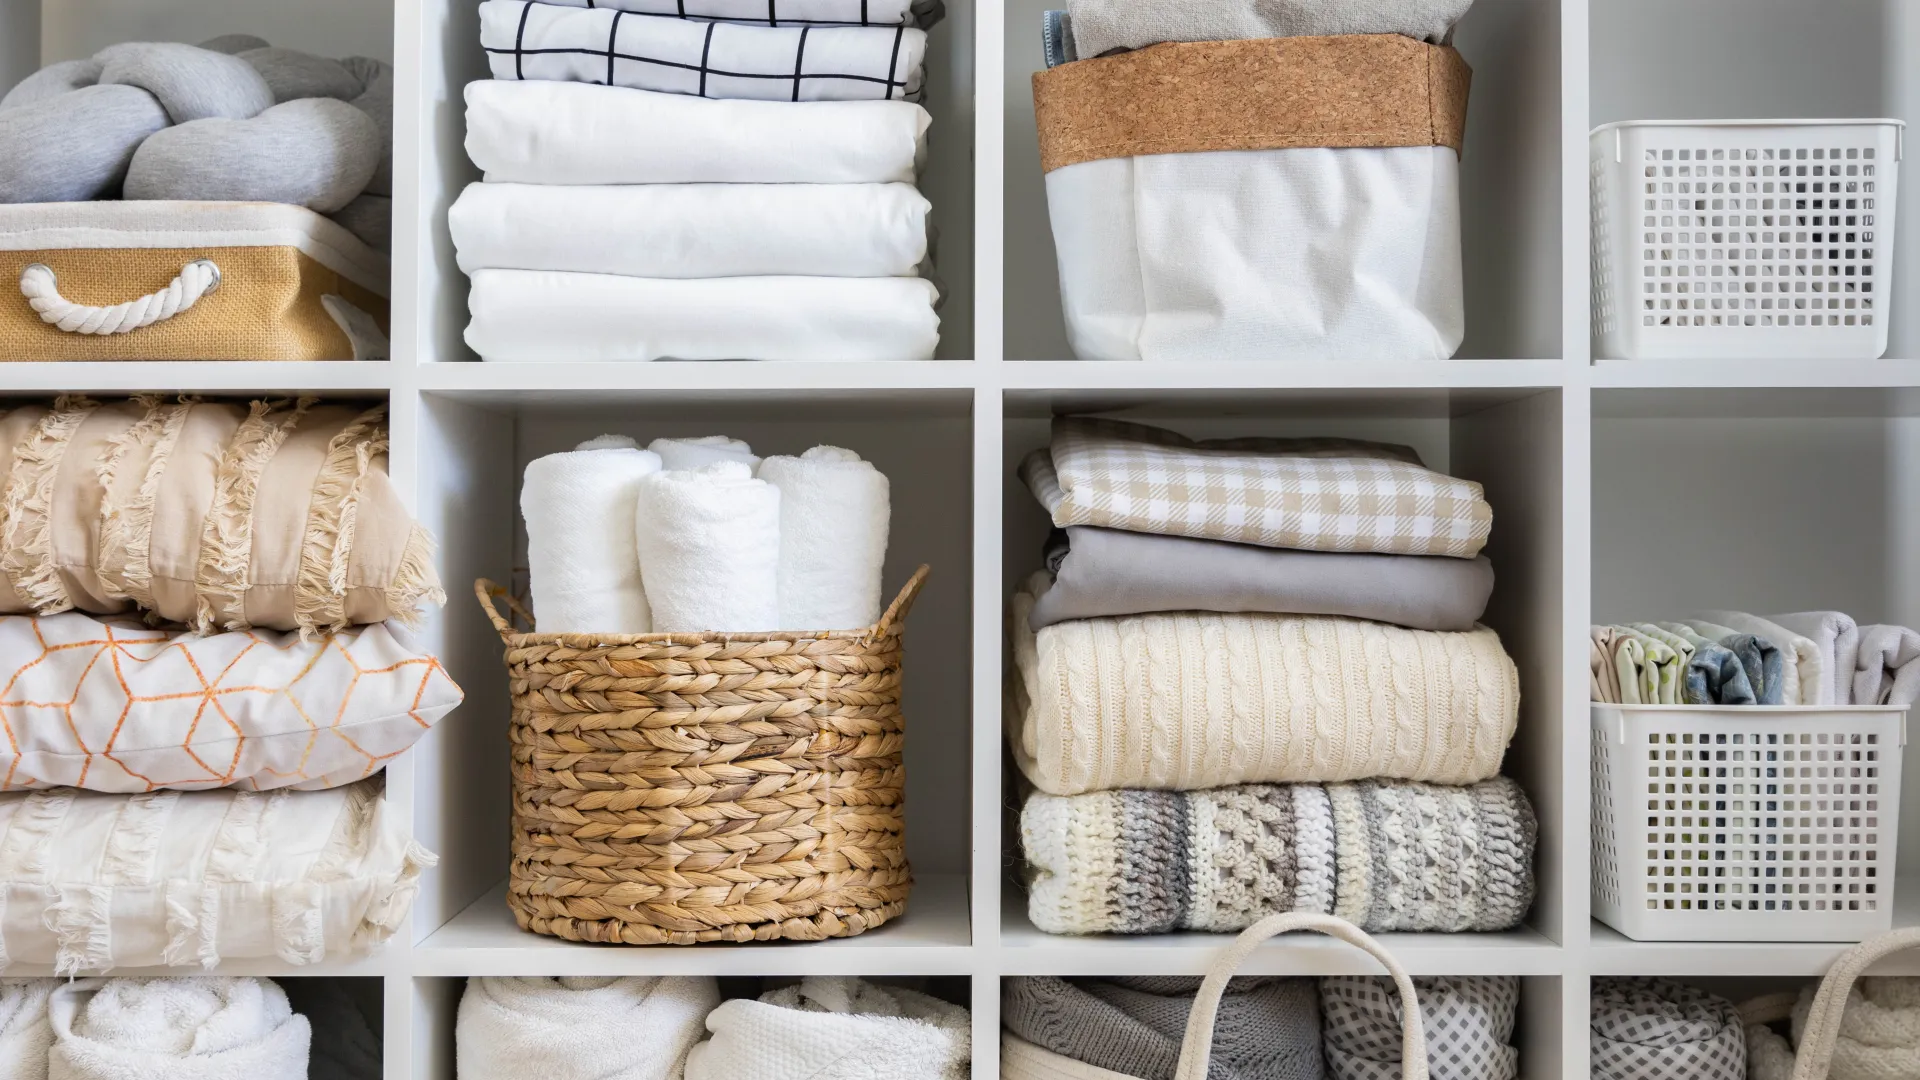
(1309, 494)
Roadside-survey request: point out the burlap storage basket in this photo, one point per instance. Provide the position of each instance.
(291, 284)
(683, 788)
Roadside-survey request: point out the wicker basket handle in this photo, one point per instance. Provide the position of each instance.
(487, 592)
(1814, 1057)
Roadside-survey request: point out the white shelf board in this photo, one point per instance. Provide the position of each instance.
(1613, 953)
(197, 376)
(1026, 950)
(389, 960)
(1280, 374)
(932, 938)
(1730, 374)
(718, 381)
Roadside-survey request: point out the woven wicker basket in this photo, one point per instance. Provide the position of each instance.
(684, 788)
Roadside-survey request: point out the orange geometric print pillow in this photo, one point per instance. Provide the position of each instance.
(112, 705)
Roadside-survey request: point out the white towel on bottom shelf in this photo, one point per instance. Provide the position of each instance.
(575, 133)
(693, 230)
(709, 542)
(581, 563)
(701, 451)
(208, 1028)
(835, 1029)
(536, 315)
(25, 1034)
(834, 514)
(581, 1028)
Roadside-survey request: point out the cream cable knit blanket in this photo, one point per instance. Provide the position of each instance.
(1382, 855)
(1191, 700)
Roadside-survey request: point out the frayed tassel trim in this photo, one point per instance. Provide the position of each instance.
(26, 508)
(415, 582)
(319, 606)
(136, 570)
(390, 908)
(82, 926)
(299, 930)
(193, 925)
(226, 543)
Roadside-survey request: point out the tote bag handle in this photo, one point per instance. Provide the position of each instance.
(1817, 1043)
(1196, 1051)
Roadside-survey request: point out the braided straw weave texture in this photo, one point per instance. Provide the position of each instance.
(685, 788)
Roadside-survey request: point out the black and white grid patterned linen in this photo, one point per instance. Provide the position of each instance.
(527, 40)
(921, 13)
(1656, 1029)
(1468, 1020)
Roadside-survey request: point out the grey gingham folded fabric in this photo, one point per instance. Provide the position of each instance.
(1469, 1024)
(553, 43)
(1658, 1029)
(1309, 494)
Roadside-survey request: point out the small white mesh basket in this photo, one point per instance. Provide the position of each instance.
(1761, 239)
(1745, 823)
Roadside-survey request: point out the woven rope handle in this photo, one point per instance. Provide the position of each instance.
(897, 611)
(1814, 1057)
(42, 290)
(1196, 1051)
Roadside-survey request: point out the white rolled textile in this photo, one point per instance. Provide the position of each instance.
(575, 133)
(625, 1028)
(701, 451)
(543, 315)
(693, 230)
(201, 1028)
(834, 517)
(583, 568)
(26, 1036)
(709, 541)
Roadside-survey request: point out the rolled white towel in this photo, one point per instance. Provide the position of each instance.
(583, 567)
(25, 1035)
(709, 542)
(835, 1028)
(633, 1028)
(205, 1028)
(834, 515)
(684, 454)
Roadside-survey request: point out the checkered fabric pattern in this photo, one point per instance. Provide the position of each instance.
(1469, 1026)
(1656, 1029)
(708, 59)
(921, 13)
(112, 705)
(1310, 494)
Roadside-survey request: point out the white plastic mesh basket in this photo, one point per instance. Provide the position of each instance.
(1744, 239)
(1753, 823)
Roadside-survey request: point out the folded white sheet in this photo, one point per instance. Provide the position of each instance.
(709, 542)
(574, 134)
(526, 40)
(693, 230)
(834, 514)
(535, 315)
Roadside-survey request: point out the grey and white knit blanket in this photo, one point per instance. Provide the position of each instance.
(1385, 855)
(1653, 1029)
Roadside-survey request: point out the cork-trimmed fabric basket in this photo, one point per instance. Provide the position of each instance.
(685, 788)
(1279, 198)
(164, 280)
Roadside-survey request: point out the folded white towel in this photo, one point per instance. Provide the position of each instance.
(534, 315)
(634, 1028)
(208, 1028)
(25, 1034)
(582, 565)
(835, 1029)
(1887, 668)
(1837, 638)
(709, 544)
(834, 515)
(693, 230)
(1805, 680)
(698, 453)
(573, 133)
(526, 40)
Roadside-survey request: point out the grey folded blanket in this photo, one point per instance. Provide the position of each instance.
(1267, 1028)
(1658, 1029)
(1101, 572)
(1101, 26)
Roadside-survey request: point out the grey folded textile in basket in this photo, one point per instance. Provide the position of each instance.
(1101, 26)
(1100, 572)
(1658, 1029)
(1267, 1028)
(1468, 1020)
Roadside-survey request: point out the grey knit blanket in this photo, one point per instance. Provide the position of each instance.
(1653, 1029)
(1267, 1028)
(1386, 855)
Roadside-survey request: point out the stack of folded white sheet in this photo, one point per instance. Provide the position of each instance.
(707, 180)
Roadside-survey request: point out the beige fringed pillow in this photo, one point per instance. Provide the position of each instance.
(212, 514)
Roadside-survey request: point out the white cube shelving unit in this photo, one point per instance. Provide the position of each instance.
(1620, 489)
